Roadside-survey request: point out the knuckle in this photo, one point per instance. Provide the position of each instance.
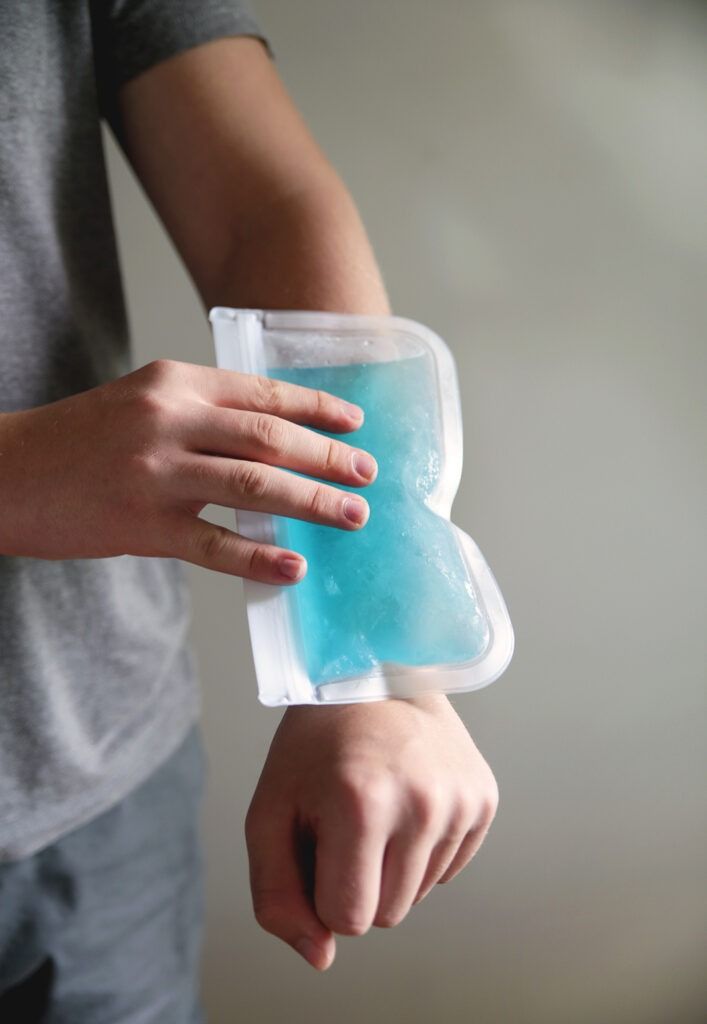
(164, 367)
(149, 471)
(258, 561)
(159, 370)
(318, 503)
(367, 801)
(152, 409)
(212, 545)
(486, 803)
(466, 810)
(489, 805)
(424, 806)
(269, 432)
(352, 792)
(249, 479)
(321, 402)
(148, 405)
(144, 466)
(331, 461)
(455, 834)
(268, 393)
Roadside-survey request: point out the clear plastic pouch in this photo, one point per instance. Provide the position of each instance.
(405, 605)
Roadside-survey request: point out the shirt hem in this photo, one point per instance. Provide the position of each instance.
(119, 785)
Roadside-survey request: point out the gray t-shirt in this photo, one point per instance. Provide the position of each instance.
(97, 683)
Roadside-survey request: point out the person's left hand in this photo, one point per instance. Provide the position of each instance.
(359, 811)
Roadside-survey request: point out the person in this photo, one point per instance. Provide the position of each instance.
(104, 470)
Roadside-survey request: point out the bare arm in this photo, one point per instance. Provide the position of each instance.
(258, 214)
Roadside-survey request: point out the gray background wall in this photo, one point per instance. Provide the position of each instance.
(532, 174)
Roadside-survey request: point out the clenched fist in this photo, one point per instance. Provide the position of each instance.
(359, 811)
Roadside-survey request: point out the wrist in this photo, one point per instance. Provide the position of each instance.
(428, 702)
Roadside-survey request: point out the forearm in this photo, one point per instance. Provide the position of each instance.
(254, 207)
(306, 251)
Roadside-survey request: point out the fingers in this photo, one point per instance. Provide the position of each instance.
(406, 860)
(279, 398)
(272, 440)
(455, 850)
(235, 483)
(441, 857)
(412, 869)
(281, 903)
(214, 547)
(466, 851)
(349, 860)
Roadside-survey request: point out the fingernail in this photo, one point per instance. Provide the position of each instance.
(292, 568)
(309, 950)
(365, 465)
(356, 510)
(353, 411)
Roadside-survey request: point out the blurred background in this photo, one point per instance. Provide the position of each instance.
(533, 174)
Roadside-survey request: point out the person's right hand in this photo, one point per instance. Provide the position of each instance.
(127, 467)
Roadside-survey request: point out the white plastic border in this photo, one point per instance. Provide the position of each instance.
(279, 666)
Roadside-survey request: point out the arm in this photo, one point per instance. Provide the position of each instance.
(360, 809)
(257, 213)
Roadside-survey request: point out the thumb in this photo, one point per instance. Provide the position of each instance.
(281, 858)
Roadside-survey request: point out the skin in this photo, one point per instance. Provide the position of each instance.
(360, 809)
(130, 465)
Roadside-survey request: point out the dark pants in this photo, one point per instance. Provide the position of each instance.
(104, 925)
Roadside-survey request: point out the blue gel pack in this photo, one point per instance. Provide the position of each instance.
(405, 605)
(396, 590)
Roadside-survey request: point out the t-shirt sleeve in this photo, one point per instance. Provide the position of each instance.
(129, 36)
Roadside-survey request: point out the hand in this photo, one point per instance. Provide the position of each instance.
(359, 811)
(127, 467)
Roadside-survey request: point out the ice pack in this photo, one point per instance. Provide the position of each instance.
(405, 605)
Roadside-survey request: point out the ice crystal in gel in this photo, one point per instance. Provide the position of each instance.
(397, 589)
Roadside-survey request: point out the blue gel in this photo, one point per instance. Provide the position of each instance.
(397, 589)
